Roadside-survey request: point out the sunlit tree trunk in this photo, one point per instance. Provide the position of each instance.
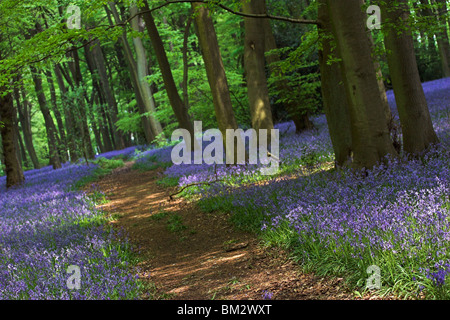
(254, 64)
(141, 70)
(215, 70)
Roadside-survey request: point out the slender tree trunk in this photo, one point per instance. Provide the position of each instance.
(215, 71)
(333, 93)
(50, 127)
(299, 117)
(25, 122)
(184, 83)
(81, 107)
(106, 144)
(254, 63)
(93, 122)
(417, 128)
(142, 67)
(62, 134)
(179, 109)
(23, 152)
(13, 168)
(443, 38)
(145, 120)
(110, 99)
(370, 136)
(68, 116)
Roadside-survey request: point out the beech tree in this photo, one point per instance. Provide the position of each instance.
(179, 108)
(254, 63)
(417, 128)
(215, 70)
(370, 135)
(335, 101)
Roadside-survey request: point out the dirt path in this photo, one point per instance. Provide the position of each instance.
(188, 254)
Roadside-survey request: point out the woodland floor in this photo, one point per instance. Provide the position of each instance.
(209, 259)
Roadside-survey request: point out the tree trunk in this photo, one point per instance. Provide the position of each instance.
(443, 38)
(215, 71)
(179, 109)
(145, 120)
(110, 99)
(62, 134)
(333, 93)
(370, 136)
(254, 63)
(50, 127)
(80, 106)
(68, 116)
(417, 128)
(25, 122)
(145, 89)
(13, 168)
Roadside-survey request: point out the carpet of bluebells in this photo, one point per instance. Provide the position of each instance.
(397, 217)
(46, 226)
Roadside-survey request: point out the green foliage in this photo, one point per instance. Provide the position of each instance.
(300, 69)
(108, 164)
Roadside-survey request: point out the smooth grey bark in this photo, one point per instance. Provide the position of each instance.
(145, 89)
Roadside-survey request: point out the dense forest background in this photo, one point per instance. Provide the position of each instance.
(116, 78)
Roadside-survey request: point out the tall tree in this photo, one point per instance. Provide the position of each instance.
(333, 92)
(109, 95)
(442, 36)
(13, 168)
(23, 110)
(254, 64)
(415, 119)
(215, 71)
(59, 120)
(178, 107)
(50, 127)
(370, 136)
(80, 107)
(69, 121)
(142, 73)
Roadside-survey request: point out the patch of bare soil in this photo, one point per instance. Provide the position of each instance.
(187, 254)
